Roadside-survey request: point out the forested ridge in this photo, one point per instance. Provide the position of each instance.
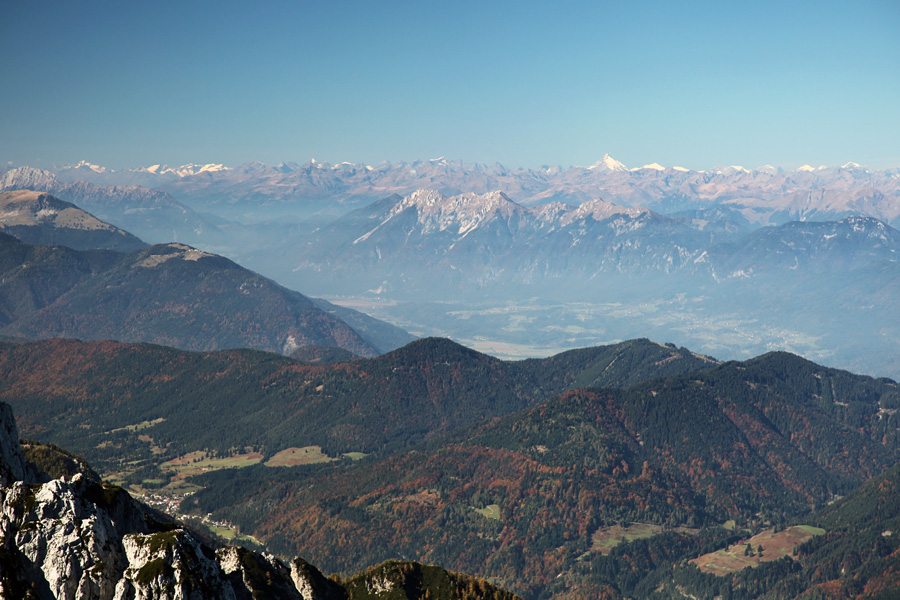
(166, 294)
(83, 395)
(760, 442)
(504, 470)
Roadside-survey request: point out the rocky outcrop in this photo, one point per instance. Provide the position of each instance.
(12, 465)
(312, 585)
(77, 539)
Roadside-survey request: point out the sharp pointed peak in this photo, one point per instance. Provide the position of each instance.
(608, 163)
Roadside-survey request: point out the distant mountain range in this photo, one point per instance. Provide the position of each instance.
(763, 196)
(730, 261)
(428, 241)
(429, 246)
(826, 284)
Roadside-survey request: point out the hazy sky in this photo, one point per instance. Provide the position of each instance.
(695, 84)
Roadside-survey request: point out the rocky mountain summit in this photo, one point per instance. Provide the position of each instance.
(427, 241)
(77, 538)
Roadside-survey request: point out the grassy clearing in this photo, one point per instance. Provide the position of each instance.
(607, 538)
(355, 455)
(774, 545)
(198, 462)
(180, 486)
(811, 530)
(227, 533)
(293, 457)
(139, 426)
(491, 511)
(223, 532)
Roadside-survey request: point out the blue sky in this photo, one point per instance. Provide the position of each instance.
(699, 84)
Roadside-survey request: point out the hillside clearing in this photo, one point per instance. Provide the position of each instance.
(491, 511)
(198, 462)
(774, 545)
(294, 457)
(607, 538)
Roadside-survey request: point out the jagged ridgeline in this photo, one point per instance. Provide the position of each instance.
(771, 194)
(77, 538)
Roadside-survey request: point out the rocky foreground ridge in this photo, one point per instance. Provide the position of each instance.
(78, 538)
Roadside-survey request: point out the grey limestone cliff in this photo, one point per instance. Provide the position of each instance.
(79, 539)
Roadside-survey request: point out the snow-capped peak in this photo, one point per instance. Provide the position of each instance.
(457, 214)
(850, 165)
(429, 201)
(731, 169)
(608, 163)
(651, 166)
(92, 167)
(212, 168)
(183, 170)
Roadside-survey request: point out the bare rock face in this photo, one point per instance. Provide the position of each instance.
(12, 465)
(79, 539)
(312, 585)
(58, 541)
(170, 565)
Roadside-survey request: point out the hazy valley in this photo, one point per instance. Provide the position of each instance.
(528, 262)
